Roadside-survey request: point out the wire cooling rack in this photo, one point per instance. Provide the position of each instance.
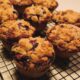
(60, 70)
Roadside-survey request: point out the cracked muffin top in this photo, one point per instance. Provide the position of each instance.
(68, 16)
(34, 50)
(7, 12)
(16, 29)
(66, 37)
(21, 2)
(37, 13)
(50, 4)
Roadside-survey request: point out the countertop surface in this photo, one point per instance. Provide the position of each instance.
(69, 4)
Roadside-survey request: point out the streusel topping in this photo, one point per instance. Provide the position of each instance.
(50, 4)
(68, 16)
(66, 37)
(36, 49)
(37, 13)
(16, 29)
(21, 2)
(7, 12)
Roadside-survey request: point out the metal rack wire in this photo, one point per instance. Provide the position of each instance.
(68, 70)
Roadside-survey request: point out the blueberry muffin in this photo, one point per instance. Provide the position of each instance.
(12, 30)
(7, 12)
(65, 38)
(68, 16)
(37, 14)
(50, 4)
(33, 56)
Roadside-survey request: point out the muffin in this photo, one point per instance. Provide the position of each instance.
(67, 16)
(13, 30)
(33, 56)
(37, 14)
(7, 12)
(65, 38)
(50, 4)
(20, 5)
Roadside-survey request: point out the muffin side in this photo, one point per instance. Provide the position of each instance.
(34, 58)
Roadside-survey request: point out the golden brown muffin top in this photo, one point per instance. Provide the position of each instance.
(37, 13)
(16, 29)
(51, 4)
(7, 12)
(37, 49)
(5, 1)
(68, 16)
(21, 2)
(65, 36)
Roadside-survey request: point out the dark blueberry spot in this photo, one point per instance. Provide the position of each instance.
(40, 33)
(44, 12)
(78, 20)
(17, 57)
(20, 57)
(14, 12)
(38, 15)
(25, 16)
(32, 42)
(26, 27)
(25, 59)
(62, 26)
(65, 19)
(34, 46)
(19, 25)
